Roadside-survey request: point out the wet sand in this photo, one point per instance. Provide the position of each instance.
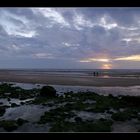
(67, 80)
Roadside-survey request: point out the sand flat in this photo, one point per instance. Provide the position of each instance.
(68, 80)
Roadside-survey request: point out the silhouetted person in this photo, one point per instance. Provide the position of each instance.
(94, 73)
(97, 74)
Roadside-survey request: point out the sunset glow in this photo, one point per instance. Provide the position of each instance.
(130, 58)
(107, 66)
(95, 59)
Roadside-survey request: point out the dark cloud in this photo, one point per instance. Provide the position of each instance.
(61, 37)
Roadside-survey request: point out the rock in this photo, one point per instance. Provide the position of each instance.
(7, 93)
(121, 116)
(78, 119)
(8, 99)
(2, 110)
(22, 103)
(48, 91)
(14, 95)
(102, 119)
(14, 105)
(9, 125)
(21, 121)
(44, 104)
(50, 105)
(23, 98)
(38, 85)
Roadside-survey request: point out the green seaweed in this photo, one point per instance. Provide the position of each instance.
(21, 121)
(127, 114)
(97, 126)
(2, 110)
(58, 114)
(9, 125)
(16, 92)
(14, 105)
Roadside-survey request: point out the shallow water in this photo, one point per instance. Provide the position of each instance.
(115, 91)
(12, 100)
(33, 113)
(32, 127)
(127, 126)
(92, 116)
(27, 112)
(26, 85)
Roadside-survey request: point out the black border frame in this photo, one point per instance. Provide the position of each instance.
(69, 3)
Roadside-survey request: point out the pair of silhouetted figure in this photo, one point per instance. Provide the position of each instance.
(95, 73)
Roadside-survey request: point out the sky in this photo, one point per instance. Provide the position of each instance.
(70, 38)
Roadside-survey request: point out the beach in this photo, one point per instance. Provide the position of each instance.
(65, 79)
(83, 102)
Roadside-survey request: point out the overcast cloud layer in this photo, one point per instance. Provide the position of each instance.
(70, 38)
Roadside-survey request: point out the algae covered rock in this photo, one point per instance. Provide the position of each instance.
(2, 110)
(9, 125)
(14, 105)
(78, 119)
(48, 91)
(21, 121)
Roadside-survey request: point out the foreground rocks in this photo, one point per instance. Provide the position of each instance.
(48, 91)
(62, 112)
(2, 110)
(10, 125)
(9, 91)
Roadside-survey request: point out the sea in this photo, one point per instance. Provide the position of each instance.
(105, 73)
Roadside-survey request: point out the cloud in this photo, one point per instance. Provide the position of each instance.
(130, 58)
(71, 35)
(14, 47)
(135, 39)
(51, 14)
(107, 23)
(104, 21)
(80, 22)
(43, 55)
(70, 45)
(94, 59)
(16, 25)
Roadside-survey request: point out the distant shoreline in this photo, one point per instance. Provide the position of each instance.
(68, 80)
